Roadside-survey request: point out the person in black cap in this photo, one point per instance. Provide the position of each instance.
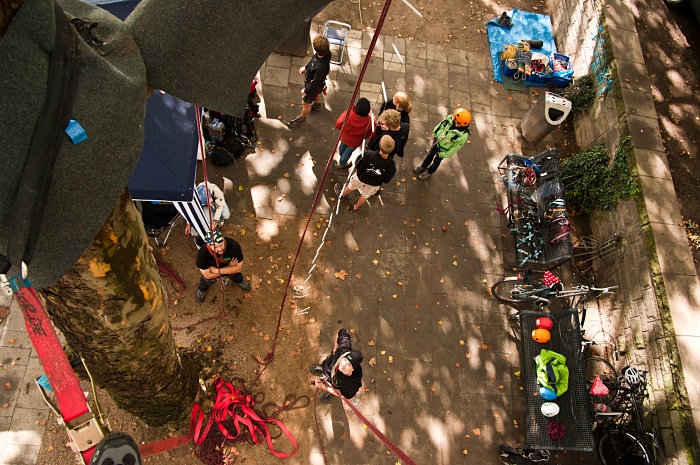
(358, 128)
(221, 258)
(341, 369)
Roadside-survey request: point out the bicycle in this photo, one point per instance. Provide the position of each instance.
(523, 287)
(625, 439)
(600, 368)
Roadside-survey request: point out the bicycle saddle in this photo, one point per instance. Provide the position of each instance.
(598, 388)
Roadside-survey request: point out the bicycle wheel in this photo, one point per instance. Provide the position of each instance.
(598, 366)
(622, 448)
(511, 291)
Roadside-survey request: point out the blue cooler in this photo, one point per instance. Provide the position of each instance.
(562, 77)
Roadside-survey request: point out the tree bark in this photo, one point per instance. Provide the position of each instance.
(112, 309)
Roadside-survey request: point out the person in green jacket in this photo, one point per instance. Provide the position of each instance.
(448, 137)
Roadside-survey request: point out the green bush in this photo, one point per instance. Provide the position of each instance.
(581, 93)
(590, 184)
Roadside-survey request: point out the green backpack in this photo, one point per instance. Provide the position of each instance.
(552, 371)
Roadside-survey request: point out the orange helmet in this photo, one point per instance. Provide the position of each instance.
(541, 335)
(463, 117)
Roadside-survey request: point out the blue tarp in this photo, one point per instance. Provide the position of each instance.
(526, 26)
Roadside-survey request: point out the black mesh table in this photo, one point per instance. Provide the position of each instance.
(575, 414)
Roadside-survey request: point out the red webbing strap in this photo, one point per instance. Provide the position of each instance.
(63, 380)
(156, 447)
(228, 400)
(381, 436)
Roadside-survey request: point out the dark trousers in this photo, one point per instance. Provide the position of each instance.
(432, 160)
(205, 283)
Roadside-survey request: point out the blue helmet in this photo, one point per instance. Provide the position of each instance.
(547, 394)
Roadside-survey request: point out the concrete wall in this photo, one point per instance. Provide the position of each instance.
(651, 316)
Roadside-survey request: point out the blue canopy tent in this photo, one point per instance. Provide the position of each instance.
(167, 166)
(168, 162)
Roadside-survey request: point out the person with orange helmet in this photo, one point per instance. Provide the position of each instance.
(448, 137)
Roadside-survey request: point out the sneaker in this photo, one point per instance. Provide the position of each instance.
(245, 285)
(424, 175)
(316, 369)
(338, 188)
(200, 296)
(419, 169)
(338, 166)
(296, 121)
(351, 209)
(316, 106)
(326, 397)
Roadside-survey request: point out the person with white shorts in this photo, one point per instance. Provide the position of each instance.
(374, 168)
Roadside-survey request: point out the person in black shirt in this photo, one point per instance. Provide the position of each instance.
(315, 73)
(373, 169)
(221, 258)
(389, 123)
(341, 369)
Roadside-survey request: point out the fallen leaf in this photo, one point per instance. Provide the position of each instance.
(400, 283)
(387, 273)
(454, 263)
(341, 275)
(376, 262)
(11, 341)
(477, 431)
(465, 452)
(461, 342)
(358, 276)
(440, 322)
(442, 280)
(370, 343)
(467, 356)
(391, 359)
(286, 175)
(395, 296)
(8, 386)
(372, 362)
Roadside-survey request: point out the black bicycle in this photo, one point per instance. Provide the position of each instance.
(625, 440)
(524, 287)
(601, 370)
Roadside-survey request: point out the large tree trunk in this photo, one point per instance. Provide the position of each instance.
(111, 307)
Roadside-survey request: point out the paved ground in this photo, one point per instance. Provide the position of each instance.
(419, 261)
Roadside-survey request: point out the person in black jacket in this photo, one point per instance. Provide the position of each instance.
(373, 169)
(315, 73)
(389, 123)
(341, 369)
(400, 103)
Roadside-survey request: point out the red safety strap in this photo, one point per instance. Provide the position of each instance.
(229, 401)
(64, 382)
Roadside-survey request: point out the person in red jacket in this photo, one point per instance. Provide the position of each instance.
(358, 128)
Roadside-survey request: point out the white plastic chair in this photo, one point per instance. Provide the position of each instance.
(337, 34)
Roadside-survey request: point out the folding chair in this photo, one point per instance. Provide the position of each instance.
(337, 34)
(159, 218)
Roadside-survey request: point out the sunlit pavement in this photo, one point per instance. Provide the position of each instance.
(419, 260)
